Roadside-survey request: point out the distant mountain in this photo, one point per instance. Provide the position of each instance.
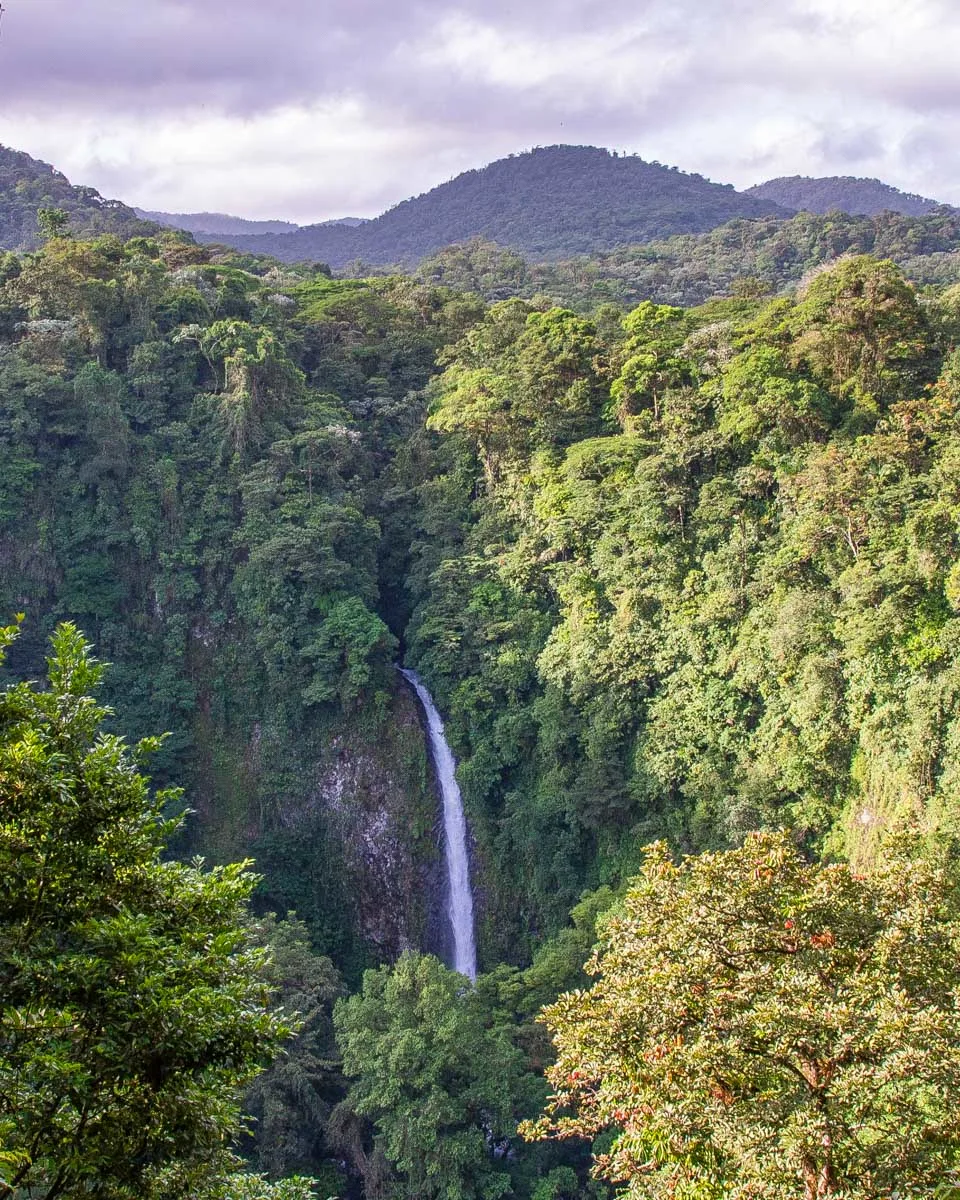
(840, 193)
(209, 225)
(215, 223)
(547, 203)
(27, 184)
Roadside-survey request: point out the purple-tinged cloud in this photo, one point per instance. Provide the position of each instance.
(309, 109)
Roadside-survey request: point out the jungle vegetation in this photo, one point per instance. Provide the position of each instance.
(673, 574)
(28, 185)
(749, 258)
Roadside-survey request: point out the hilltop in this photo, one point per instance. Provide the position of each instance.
(27, 184)
(841, 193)
(550, 202)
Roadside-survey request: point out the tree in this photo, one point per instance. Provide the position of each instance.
(762, 1026)
(654, 362)
(434, 1079)
(292, 1100)
(348, 655)
(521, 380)
(133, 1007)
(255, 378)
(859, 330)
(52, 223)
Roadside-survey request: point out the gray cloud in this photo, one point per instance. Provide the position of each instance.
(243, 57)
(375, 99)
(851, 145)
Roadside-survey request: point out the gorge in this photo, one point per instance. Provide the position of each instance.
(675, 574)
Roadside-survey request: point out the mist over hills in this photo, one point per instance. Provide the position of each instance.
(841, 193)
(216, 224)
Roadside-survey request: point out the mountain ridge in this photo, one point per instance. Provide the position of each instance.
(218, 223)
(549, 204)
(546, 202)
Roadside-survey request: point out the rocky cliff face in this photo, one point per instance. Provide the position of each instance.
(344, 827)
(379, 805)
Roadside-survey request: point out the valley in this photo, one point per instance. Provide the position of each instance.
(662, 533)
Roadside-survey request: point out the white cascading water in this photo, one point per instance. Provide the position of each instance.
(460, 904)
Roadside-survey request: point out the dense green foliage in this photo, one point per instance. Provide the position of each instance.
(622, 556)
(765, 1027)
(26, 185)
(190, 470)
(291, 1102)
(669, 572)
(749, 258)
(701, 580)
(840, 193)
(133, 1006)
(436, 1081)
(546, 203)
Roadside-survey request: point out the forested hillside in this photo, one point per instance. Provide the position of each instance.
(750, 257)
(707, 583)
(547, 203)
(26, 185)
(840, 193)
(679, 573)
(222, 476)
(192, 471)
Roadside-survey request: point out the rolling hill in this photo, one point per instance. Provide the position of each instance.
(216, 224)
(841, 193)
(551, 202)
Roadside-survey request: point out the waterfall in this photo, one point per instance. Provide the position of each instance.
(460, 903)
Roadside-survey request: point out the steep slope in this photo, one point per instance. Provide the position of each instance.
(843, 193)
(27, 184)
(125, 433)
(547, 203)
(702, 586)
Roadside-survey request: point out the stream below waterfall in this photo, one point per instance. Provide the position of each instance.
(460, 897)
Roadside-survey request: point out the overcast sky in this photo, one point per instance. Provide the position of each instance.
(309, 109)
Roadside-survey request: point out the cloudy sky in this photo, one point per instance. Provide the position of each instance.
(308, 109)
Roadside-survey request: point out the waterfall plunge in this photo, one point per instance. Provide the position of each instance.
(460, 903)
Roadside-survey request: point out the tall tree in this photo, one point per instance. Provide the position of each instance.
(435, 1080)
(292, 1100)
(133, 1007)
(766, 1027)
